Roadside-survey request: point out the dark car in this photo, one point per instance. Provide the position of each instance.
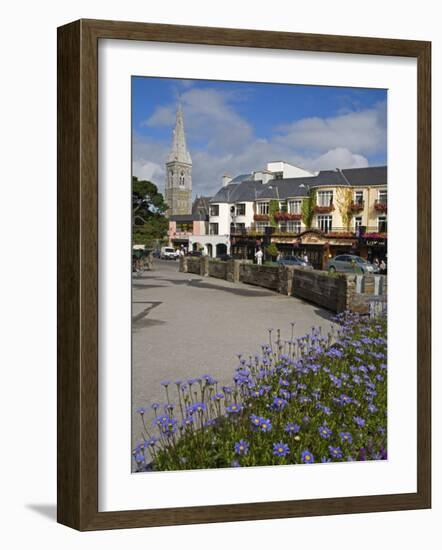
(195, 253)
(224, 257)
(295, 261)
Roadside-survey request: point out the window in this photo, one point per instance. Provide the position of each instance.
(278, 175)
(382, 224)
(181, 178)
(213, 229)
(294, 207)
(214, 210)
(294, 227)
(261, 226)
(382, 196)
(282, 206)
(358, 222)
(263, 207)
(325, 223)
(359, 197)
(282, 227)
(325, 198)
(241, 209)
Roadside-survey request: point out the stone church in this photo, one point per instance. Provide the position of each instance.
(179, 172)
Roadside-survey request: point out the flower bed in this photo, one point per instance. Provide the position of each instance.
(310, 399)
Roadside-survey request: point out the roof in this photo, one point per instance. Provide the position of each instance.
(373, 175)
(246, 191)
(250, 190)
(200, 208)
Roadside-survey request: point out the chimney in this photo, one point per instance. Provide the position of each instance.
(226, 180)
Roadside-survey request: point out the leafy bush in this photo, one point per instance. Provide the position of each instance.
(309, 399)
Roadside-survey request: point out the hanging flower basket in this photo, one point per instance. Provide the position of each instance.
(261, 217)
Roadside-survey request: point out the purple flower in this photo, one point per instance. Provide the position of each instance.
(280, 449)
(233, 408)
(359, 421)
(346, 437)
(292, 428)
(324, 432)
(307, 457)
(279, 403)
(241, 447)
(335, 451)
(141, 410)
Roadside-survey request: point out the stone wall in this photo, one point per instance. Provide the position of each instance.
(218, 269)
(320, 288)
(260, 275)
(338, 292)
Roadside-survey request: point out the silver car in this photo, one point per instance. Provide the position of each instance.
(347, 263)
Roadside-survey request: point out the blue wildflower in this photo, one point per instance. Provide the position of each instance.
(280, 449)
(359, 421)
(241, 447)
(346, 437)
(324, 432)
(233, 408)
(307, 457)
(292, 428)
(335, 451)
(279, 403)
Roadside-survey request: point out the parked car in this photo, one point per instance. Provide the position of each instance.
(196, 253)
(294, 260)
(348, 263)
(168, 253)
(224, 257)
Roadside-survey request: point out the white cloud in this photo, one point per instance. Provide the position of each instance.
(364, 132)
(227, 144)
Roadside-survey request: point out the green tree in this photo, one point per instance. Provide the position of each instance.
(307, 209)
(149, 223)
(273, 208)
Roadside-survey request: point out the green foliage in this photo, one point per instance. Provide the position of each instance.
(307, 206)
(272, 250)
(149, 224)
(273, 208)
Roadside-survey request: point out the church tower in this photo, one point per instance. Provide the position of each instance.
(179, 172)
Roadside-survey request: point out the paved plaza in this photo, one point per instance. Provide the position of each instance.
(185, 325)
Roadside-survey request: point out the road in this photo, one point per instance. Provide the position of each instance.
(185, 325)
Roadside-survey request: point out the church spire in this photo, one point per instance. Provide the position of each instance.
(179, 152)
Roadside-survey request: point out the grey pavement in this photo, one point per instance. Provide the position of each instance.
(185, 325)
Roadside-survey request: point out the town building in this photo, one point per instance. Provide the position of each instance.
(321, 215)
(318, 214)
(185, 229)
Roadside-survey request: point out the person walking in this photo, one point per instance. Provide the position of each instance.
(258, 256)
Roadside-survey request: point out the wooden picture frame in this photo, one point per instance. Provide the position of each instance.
(78, 274)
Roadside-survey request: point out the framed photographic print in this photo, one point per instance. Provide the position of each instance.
(244, 275)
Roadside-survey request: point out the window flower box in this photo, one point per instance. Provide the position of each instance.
(380, 206)
(356, 207)
(261, 217)
(323, 209)
(287, 216)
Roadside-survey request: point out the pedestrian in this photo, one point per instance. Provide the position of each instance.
(383, 267)
(258, 256)
(305, 258)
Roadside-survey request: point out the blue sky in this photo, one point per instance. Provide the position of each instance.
(235, 127)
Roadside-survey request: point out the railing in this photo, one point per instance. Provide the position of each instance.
(338, 232)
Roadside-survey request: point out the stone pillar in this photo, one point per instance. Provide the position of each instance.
(204, 266)
(183, 264)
